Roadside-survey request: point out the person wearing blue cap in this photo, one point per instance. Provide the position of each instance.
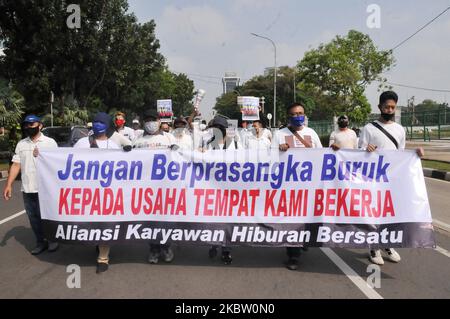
(99, 139)
(24, 161)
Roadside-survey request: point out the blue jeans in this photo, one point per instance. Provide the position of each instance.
(31, 202)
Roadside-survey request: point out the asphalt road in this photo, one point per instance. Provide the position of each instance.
(255, 272)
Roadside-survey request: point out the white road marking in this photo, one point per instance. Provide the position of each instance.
(11, 217)
(441, 224)
(352, 275)
(443, 251)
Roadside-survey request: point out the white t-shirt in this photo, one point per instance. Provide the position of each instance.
(285, 136)
(267, 134)
(138, 133)
(103, 144)
(128, 132)
(372, 135)
(184, 141)
(255, 143)
(24, 156)
(344, 139)
(161, 140)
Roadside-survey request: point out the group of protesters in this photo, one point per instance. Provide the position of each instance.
(182, 134)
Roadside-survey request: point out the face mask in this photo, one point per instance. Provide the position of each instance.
(178, 131)
(151, 127)
(32, 131)
(202, 127)
(120, 122)
(343, 124)
(297, 120)
(387, 117)
(99, 128)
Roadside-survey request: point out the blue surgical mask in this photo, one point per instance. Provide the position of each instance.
(297, 120)
(99, 128)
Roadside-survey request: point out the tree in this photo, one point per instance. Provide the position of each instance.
(183, 95)
(109, 62)
(227, 105)
(336, 75)
(11, 110)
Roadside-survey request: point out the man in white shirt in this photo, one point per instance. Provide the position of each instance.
(373, 138)
(295, 135)
(24, 161)
(119, 121)
(343, 137)
(257, 139)
(154, 138)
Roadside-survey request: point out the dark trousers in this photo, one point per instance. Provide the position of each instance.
(225, 249)
(293, 252)
(31, 202)
(156, 248)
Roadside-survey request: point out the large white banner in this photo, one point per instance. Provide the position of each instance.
(313, 197)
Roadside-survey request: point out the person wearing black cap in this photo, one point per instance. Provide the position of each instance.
(24, 161)
(99, 139)
(220, 141)
(154, 138)
(343, 137)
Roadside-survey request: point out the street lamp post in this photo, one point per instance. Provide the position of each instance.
(274, 78)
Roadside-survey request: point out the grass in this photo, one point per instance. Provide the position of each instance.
(441, 166)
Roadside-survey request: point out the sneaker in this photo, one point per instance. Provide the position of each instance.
(52, 246)
(226, 258)
(375, 257)
(167, 255)
(212, 252)
(102, 267)
(153, 257)
(393, 255)
(40, 248)
(292, 264)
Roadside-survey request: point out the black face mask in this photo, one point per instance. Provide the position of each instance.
(32, 131)
(387, 117)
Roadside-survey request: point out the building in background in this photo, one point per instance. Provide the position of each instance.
(230, 81)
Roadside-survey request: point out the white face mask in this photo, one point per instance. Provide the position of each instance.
(179, 132)
(151, 127)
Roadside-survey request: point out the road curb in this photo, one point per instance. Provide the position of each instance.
(433, 173)
(3, 174)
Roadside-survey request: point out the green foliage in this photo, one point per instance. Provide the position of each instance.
(337, 73)
(111, 62)
(11, 105)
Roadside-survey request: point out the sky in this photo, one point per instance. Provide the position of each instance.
(206, 38)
